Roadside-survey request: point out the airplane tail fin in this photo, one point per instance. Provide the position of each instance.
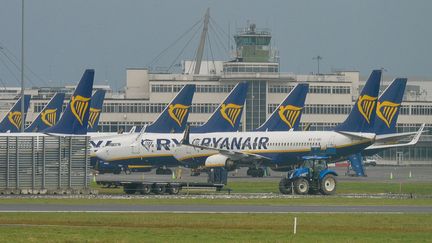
(362, 115)
(49, 115)
(95, 110)
(388, 106)
(287, 115)
(13, 119)
(75, 118)
(227, 116)
(174, 117)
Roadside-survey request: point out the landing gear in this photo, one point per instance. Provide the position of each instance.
(255, 172)
(163, 171)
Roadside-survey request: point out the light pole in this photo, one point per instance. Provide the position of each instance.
(318, 58)
(22, 66)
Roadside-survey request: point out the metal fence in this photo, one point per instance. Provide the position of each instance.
(44, 164)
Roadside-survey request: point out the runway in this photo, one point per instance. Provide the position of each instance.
(211, 208)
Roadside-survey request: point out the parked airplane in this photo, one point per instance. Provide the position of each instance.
(49, 115)
(13, 119)
(248, 148)
(95, 110)
(172, 119)
(142, 150)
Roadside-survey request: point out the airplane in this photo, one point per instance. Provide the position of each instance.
(281, 150)
(142, 150)
(172, 119)
(13, 119)
(95, 110)
(49, 115)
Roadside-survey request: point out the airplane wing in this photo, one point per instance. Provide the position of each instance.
(395, 136)
(413, 141)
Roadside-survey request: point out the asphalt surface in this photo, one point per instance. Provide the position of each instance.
(211, 208)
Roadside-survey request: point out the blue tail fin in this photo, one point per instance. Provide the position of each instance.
(95, 110)
(288, 114)
(175, 115)
(388, 107)
(227, 116)
(362, 116)
(75, 118)
(13, 119)
(50, 114)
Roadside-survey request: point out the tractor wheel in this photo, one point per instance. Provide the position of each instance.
(285, 186)
(328, 185)
(301, 186)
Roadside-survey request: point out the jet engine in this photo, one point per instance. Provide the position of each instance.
(219, 160)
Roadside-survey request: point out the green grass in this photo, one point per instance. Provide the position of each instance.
(152, 227)
(419, 188)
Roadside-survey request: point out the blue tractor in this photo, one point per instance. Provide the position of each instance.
(311, 177)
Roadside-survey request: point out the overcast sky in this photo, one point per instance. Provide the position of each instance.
(63, 37)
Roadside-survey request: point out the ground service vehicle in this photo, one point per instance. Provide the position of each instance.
(313, 176)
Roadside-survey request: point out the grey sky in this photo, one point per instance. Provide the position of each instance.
(64, 37)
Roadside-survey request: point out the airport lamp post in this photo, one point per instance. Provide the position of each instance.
(22, 66)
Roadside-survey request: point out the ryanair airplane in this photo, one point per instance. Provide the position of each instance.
(172, 119)
(49, 115)
(142, 149)
(13, 120)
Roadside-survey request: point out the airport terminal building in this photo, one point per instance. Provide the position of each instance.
(330, 98)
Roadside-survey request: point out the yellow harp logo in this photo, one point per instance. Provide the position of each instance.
(15, 118)
(49, 116)
(366, 104)
(178, 112)
(94, 114)
(386, 111)
(289, 114)
(230, 112)
(79, 107)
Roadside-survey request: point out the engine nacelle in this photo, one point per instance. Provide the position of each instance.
(219, 160)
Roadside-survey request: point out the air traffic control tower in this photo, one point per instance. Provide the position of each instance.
(254, 61)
